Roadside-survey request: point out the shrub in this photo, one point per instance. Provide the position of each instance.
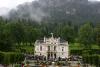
(11, 57)
(92, 59)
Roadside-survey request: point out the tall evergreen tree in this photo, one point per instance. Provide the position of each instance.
(98, 34)
(86, 34)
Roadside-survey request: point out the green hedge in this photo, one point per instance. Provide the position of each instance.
(11, 57)
(84, 51)
(92, 59)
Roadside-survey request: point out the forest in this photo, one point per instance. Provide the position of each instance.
(15, 34)
(80, 26)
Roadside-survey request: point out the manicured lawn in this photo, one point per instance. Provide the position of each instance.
(81, 46)
(75, 46)
(95, 46)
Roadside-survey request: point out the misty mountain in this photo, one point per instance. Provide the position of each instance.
(58, 10)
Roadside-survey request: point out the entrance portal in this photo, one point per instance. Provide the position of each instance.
(51, 56)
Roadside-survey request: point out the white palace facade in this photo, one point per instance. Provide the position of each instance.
(52, 47)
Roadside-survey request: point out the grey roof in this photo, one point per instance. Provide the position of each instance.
(62, 40)
(42, 41)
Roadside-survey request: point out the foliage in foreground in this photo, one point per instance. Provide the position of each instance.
(10, 58)
(92, 59)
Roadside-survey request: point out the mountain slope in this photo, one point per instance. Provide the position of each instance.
(58, 10)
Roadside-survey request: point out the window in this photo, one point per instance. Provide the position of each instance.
(54, 48)
(40, 48)
(40, 53)
(48, 48)
(62, 48)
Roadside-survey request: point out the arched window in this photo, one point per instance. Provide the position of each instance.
(62, 48)
(40, 48)
(48, 48)
(54, 48)
(40, 53)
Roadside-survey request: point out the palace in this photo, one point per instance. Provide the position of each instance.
(52, 48)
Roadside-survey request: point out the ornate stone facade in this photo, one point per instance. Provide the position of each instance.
(52, 48)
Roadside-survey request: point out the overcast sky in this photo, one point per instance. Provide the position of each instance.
(14, 3)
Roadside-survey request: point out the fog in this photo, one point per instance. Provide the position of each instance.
(40, 9)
